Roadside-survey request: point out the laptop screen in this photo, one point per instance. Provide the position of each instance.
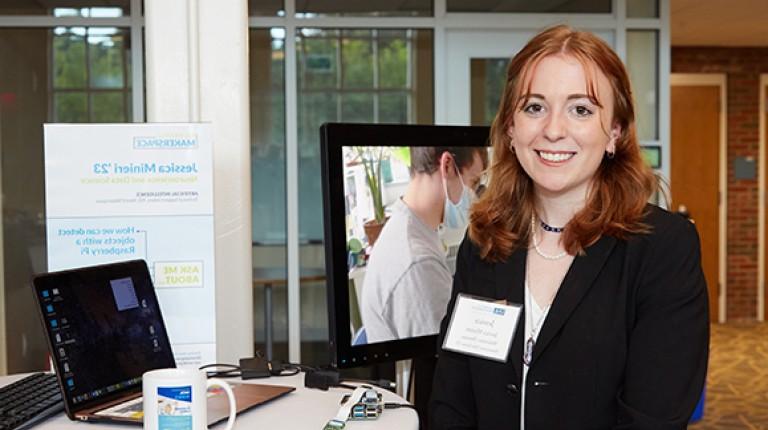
(104, 330)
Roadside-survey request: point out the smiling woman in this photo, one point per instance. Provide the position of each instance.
(566, 130)
(614, 332)
(559, 134)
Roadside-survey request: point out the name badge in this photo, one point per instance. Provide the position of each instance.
(482, 327)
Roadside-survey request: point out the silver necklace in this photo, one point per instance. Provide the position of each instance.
(532, 335)
(536, 243)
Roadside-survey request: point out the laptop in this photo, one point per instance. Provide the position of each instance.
(104, 330)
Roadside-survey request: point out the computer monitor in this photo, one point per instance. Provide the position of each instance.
(347, 151)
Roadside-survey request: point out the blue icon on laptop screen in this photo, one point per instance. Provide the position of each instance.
(45, 293)
(54, 323)
(49, 308)
(70, 382)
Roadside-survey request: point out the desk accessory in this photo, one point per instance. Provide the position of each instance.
(29, 400)
(340, 420)
(368, 407)
(364, 403)
(177, 398)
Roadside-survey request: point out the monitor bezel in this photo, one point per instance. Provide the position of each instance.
(333, 137)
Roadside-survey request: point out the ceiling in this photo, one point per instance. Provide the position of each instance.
(719, 22)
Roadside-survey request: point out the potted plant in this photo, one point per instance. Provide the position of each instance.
(371, 158)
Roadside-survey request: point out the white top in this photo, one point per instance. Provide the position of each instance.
(533, 316)
(407, 281)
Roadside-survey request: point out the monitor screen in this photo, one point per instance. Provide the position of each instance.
(396, 200)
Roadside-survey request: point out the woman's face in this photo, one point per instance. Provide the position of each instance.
(560, 136)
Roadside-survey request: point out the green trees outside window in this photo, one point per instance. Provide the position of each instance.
(90, 77)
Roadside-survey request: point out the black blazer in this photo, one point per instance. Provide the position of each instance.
(624, 346)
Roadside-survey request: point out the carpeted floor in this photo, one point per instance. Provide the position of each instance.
(737, 383)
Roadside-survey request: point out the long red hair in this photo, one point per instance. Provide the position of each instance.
(621, 187)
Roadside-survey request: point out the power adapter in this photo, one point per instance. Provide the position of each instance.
(322, 379)
(256, 367)
(259, 367)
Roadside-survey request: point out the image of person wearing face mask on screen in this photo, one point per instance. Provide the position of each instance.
(456, 218)
(408, 280)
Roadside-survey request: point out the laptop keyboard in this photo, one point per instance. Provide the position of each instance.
(29, 400)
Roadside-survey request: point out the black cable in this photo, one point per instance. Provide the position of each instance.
(233, 370)
(225, 374)
(208, 366)
(275, 368)
(302, 367)
(291, 371)
(284, 368)
(411, 378)
(399, 405)
(381, 383)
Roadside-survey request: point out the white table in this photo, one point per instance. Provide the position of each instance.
(303, 409)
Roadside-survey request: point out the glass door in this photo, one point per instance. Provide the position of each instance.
(475, 66)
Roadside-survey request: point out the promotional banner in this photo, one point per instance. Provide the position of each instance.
(119, 192)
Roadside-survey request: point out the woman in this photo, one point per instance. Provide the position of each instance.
(614, 329)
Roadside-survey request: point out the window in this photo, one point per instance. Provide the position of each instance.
(268, 201)
(49, 74)
(350, 75)
(642, 8)
(67, 8)
(356, 76)
(90, 77)
(383, 8)
(526, 6)
(488, 77)
(267, 83)
(643, 67)
(266, 7)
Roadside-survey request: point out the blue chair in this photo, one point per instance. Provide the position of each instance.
(698, 413)
(360, 338)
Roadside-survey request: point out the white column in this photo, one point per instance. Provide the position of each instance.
(197, 70)
(292, 186)
(167, 60)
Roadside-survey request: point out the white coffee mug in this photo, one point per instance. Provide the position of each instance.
(176, 399)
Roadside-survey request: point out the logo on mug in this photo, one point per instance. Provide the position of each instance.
(174, 407)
